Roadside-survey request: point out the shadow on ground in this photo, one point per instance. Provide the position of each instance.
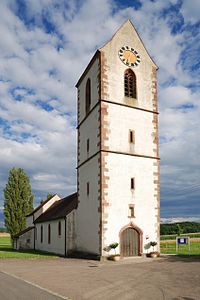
(182, 258)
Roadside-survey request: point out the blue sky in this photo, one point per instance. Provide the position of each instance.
(45, 46)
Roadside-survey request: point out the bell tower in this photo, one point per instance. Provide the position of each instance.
(117, 157)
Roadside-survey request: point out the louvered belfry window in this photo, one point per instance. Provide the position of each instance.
(130, 84)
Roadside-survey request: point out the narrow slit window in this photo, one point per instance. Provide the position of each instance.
(88, 146)
(59, 228)
(88, 188)
(132, 136)
(132, 183)
(88, 96)
(130, 84)
(49, 234)
(131, 211)
(41, 234)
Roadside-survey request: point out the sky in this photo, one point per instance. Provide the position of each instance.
(45, 46)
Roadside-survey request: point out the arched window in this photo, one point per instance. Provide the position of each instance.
(130, 84)
(41, 234)
(49, 234)
(59, 228)
(88, 96)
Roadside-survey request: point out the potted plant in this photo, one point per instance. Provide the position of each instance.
(114, 256)
(153, 253)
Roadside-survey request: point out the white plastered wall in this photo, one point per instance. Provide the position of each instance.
(26, 240)
(120, 196)
(93, 74)
(127, 36)
(57, 244)
(46, 206)
(119, 120)
(88, 217)
(89, 130)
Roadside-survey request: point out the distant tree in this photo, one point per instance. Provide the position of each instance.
(18, 201)
(186, 227)
(49, 196)
(178, 229)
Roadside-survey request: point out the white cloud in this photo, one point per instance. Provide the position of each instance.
(190, 10)
(177, 220)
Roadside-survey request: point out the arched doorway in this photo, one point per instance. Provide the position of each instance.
(130, 241)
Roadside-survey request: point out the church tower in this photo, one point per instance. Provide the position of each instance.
(117, 159)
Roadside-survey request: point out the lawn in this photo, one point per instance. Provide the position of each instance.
(6, 251)
(166, 247)
(173, 236)
(169, 247)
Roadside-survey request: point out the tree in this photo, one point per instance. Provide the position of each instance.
(18, 201)
(178, 229)
(49, 196)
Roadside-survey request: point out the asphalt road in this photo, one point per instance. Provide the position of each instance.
(167, 278)
(12, 288)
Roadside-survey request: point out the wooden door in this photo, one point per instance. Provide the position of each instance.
(129, 242)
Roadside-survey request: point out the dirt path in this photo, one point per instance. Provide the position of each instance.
(3, 234)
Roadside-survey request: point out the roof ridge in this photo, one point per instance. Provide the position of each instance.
(40, 205)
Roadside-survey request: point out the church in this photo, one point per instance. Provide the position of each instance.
(118, 177)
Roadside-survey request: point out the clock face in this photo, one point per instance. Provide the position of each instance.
(129, 56)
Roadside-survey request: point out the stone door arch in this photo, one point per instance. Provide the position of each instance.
(130, 241)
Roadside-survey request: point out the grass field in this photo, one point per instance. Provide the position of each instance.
(6, 251)
(166, 247)
(169, 246)
(173, 236)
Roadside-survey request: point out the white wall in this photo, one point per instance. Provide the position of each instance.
(119, 169)
(121, 119)
(120, 195)
(26, 240)
(88, 217)
(57, 244)
(89, 130)
(93, 74)
(127, 36)
(30, 219)
(46, 206)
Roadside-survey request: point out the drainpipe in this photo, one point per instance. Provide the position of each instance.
(65, 237)
(34, 232)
